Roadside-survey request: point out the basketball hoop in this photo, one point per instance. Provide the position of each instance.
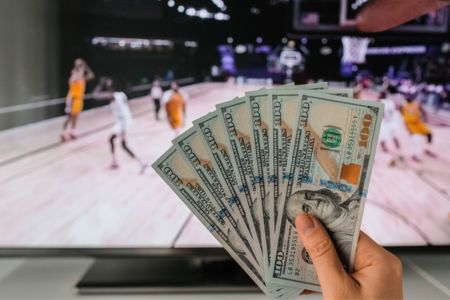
(355, 49)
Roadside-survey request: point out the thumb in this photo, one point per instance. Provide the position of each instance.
(321, 249)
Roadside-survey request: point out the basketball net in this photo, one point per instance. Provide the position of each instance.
(355, 49)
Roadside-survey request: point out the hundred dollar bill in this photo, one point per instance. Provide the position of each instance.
(286, 295)
(283, 292)
(259, 139)
(258, 114)
(211, 129)
(234, 115)
(330, 159)
(198, 156)
(175, 171)
(215, 139)
(283, 107)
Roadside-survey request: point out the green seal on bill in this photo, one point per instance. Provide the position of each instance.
(331, 137)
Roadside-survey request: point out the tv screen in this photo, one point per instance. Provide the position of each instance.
(61, 186)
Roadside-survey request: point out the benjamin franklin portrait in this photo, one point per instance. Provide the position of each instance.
(338, 216)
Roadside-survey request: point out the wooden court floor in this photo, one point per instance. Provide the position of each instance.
(64, 195)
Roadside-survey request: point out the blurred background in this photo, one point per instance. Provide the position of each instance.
(60, 191)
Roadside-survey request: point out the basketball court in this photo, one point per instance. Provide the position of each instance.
(57, 194)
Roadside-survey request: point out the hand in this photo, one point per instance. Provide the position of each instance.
(377, 272)
(67, 109)
(380, 15)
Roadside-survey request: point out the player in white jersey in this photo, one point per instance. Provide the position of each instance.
(391, 126)
(156, 94)
(122, 117)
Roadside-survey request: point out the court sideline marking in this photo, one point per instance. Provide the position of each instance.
(183, 228)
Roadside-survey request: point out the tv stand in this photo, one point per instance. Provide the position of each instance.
(175, 272)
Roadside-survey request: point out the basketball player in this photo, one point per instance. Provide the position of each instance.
(175, 104)
(364, 90)
(81, 73)
(156, 93)
(398, 98)
(290, 58)
(122, 117)
(391, 125)
(413, 115)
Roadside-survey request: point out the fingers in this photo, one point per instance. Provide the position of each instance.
(374, 266)
(369, 253)
(380, 15)
(321, 250)
(367, 250)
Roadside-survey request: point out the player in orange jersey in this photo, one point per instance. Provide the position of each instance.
(175, 103)
(81, 73)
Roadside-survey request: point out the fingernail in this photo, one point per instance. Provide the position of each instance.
(304, 223)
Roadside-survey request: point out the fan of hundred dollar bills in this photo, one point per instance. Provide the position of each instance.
(249, 168)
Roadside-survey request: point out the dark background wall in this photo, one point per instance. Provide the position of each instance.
(29, 57)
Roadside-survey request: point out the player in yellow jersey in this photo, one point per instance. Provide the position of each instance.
(81, 73)
(414, 118)
(175, 104)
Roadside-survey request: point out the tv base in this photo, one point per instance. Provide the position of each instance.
(166, 274)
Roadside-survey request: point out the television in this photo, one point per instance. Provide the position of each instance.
(62, 193)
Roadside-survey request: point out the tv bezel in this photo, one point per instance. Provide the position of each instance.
(95, 252)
